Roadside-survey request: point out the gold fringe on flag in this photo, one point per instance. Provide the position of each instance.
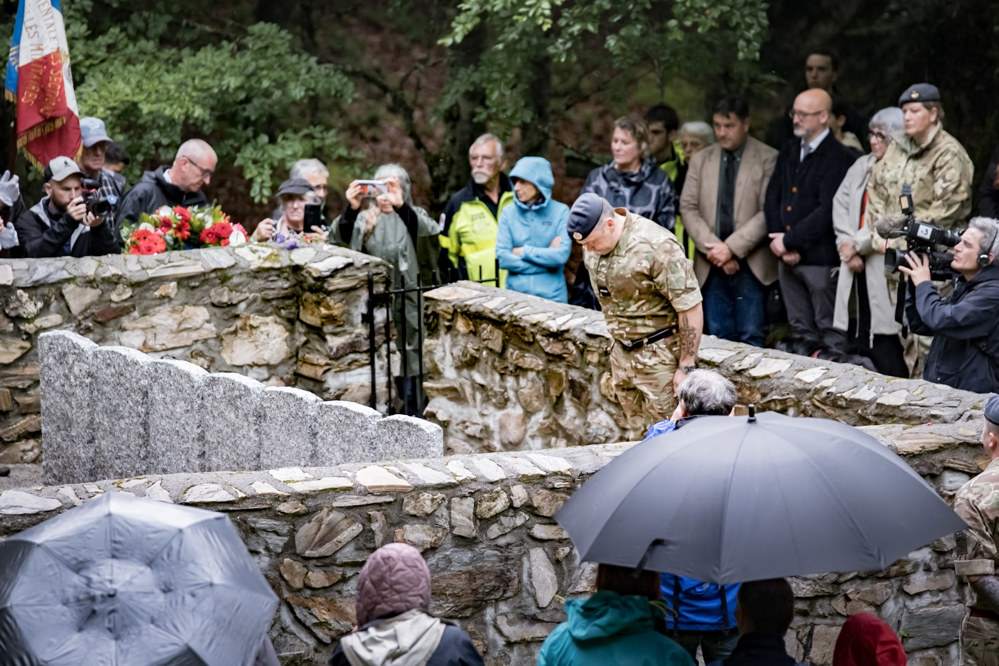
(40, 130)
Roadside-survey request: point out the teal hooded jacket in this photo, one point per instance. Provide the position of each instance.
(540, 270)
(607, 629)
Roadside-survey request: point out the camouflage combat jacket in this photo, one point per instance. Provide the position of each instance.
(940, 174)
(644, 281)
(977, 502)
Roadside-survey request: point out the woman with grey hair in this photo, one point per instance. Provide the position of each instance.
(865, 306)
(694, 136)
(386, 224)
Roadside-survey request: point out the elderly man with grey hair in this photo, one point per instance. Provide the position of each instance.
(700, 614)
(864, 313)
(177, 185)
(315, 172)
(471, 218)
(965, 349)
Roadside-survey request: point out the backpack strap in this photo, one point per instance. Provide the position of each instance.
(724, 606)
(676, 603)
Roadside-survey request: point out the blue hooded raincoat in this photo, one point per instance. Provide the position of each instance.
(540, 270)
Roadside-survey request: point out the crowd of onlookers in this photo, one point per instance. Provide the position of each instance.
(623, 622)
(788, 243)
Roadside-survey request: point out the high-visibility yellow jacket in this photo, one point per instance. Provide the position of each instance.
(468, 231)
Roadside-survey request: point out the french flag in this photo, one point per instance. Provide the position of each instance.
(40, 82)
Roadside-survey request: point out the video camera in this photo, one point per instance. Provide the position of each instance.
(99, 205)
(921, 238)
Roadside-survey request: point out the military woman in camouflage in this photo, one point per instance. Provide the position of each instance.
(937, 168)
(651, 302)
(927, 158)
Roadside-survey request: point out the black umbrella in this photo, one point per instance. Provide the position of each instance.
(728, 499)
(121, 580)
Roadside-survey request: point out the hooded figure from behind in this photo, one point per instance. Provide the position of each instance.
(616, 625)
(394, 627)
(532, 242)
(867, 640)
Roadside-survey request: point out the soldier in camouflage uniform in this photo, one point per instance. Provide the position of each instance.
(977, 502)
(938, 169)
(651, 302)
(929, 159)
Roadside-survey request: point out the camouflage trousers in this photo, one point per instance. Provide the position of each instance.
(980, 641)
(643, 384)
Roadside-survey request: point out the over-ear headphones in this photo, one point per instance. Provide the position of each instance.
(983, 249)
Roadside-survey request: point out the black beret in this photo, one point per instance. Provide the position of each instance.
(992, 410)
(588, 211)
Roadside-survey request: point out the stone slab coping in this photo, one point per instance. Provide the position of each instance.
(319, 260)
(828, 384)
(348, 485)
(357, 484)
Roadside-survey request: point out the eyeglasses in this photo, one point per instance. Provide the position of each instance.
(205, 173)
(880, 136)
(803, 114)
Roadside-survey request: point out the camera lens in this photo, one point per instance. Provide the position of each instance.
(99, 207)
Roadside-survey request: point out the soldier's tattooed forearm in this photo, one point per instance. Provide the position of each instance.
(689, 338)
(987, 589)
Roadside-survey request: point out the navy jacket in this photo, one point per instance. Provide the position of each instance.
(152, 192)
(755, 649)
(961, 327)
(799, 199)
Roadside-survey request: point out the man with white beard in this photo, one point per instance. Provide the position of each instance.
(470, 220)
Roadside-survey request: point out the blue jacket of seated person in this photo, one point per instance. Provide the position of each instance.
(695, 605)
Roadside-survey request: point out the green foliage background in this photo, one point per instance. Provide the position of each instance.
(358, 83)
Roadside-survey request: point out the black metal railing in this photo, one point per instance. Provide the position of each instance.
(412, 400)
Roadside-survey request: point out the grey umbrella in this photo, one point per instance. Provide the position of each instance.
(728, 499)
(121, 580)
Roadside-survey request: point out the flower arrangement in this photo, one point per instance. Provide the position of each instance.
(180, 228)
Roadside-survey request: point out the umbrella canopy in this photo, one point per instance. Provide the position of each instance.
(729, 499)
(122, 580)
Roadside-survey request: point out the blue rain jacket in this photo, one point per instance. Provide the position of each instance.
(540, 271)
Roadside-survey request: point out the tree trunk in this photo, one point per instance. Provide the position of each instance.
(535, 134)
(450, 170)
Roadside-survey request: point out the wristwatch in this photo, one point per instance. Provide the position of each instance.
(687, 369)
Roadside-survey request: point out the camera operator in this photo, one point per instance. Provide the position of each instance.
(61, 224)
(965, 349)
(95, 141)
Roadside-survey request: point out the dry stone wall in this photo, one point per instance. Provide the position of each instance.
(112, 412)
(499, 561)
(511, 372)
(295, 319)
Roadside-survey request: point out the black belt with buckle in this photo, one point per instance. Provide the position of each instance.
(632, 345)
